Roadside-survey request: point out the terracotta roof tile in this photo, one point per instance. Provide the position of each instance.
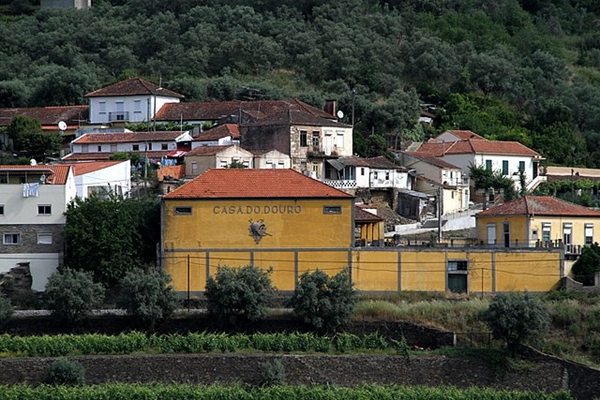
(465, 135)
(433, 160)
(73, 116)
(254, 183)
(361, 215)
(133, 87)
(471, 146)
(83, 168)
(131, 137)
(219, 132)
(382, 162)
(540, 205)
(213, 111)
(207, 150)
(58, 173)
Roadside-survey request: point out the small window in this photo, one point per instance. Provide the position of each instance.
(136, 147)
(1, 209)
(521, 166)
(99, 149)
(332, 209)
(102, 107)
(488, 164)
(44, 209)
(303, 139)
(362, 171)
(44, 238)
(223, 164)
(84, 148)
(164, 146)
(546, 226)
(12, 238)
(137, 106)
(457, 265)
(194, 167)
(504, 167)
(246, 163)
(387, 176)
(149, 146)
(589, 234)
(315, 138)
(183, 210)
(375, 175)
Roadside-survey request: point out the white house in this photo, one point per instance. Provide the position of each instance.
(131, 100)
(507, 157)
(366, 173)
(220, 135)
(271, 159)
(33, 201)
(102, 177)
(203, 158)
(100, 146)
(436, 174)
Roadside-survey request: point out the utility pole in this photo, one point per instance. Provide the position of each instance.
(439, 214)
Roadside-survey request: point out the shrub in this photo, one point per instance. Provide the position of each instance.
(587, 265)
(148, 295)
(516, 318)
(272, 373)
(66, 372)
(71, 295)
(326, 303)
(6, 310)
(239, 295)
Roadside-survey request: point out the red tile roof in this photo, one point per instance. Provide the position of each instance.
(73, 116)
(464, 135)
(219, 132)
(207, 150)
(213, 111)
(297, 117)
(254, 183)
(133, 87)
(83, 168)
(130, 137)
(542, 206)
(364, 216)
(438, 162)
(471, 146)
(382, 162)
(56, 174)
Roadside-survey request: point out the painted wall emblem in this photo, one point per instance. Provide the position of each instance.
(258, 230)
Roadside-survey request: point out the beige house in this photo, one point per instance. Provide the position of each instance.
(267, 159)
(203, 158)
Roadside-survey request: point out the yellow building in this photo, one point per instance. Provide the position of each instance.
(286, 221)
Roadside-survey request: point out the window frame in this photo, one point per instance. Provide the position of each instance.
(303, 138)
(45, 234)
(1, 210)
(183, 210)
(505, 167)
(588, 239)
(11, 234)
(332, 209)
(42, 208)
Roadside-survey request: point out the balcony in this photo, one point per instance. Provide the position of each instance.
(340, 183)
(319, 152)
(117, 116)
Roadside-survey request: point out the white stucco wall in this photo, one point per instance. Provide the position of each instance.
(145, 112)
(388, 178)
(272, 159)
(113, 177)
(41, 265)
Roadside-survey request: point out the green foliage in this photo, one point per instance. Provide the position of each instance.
(325, 392)
(484, 178)
(38, 145)
(66, 373)
(325, 303)
(272, 373)
(239, 295)
(71, 295)
(236, 165)
(112, 236)
(6, 310)
(587, 265)
(22, 124)
(148, 295)
(516, 319)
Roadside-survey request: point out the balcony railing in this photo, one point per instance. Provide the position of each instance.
(340, 184)
(115, 116)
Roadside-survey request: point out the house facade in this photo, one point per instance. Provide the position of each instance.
(203, 158)
(33, 201)
(539, 221)
(102, 178)
(508, 158)
(220, 135)
(269, 159)
(131, 100)
(366, 173)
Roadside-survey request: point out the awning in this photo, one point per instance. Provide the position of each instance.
(336, 164)
(176, 154)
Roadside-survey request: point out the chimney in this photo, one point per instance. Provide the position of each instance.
(330, 107)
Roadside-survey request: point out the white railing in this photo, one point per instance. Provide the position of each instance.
(340, 184)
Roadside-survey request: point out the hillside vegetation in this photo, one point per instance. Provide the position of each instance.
(525, 70)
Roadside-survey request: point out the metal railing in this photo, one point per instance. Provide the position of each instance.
(340, 184)
(118, 116)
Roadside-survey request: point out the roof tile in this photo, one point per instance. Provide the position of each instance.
(130, 137)
(254, 183)
(59, 173)
(540, 205)
(133, 87)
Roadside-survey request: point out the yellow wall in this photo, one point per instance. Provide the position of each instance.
(384, 270)
(518, 229)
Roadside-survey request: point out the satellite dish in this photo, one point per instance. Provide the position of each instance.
(62, 125)
(340, 114)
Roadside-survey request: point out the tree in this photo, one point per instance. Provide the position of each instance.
(6, 310)
(485, 179)
(21, 124)
(326, 303)
(71, 295)
(587, 265)
(239, 295)
(111, 236)
(516, 318)
(38, 145)
(148, 295)
(66, 373)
